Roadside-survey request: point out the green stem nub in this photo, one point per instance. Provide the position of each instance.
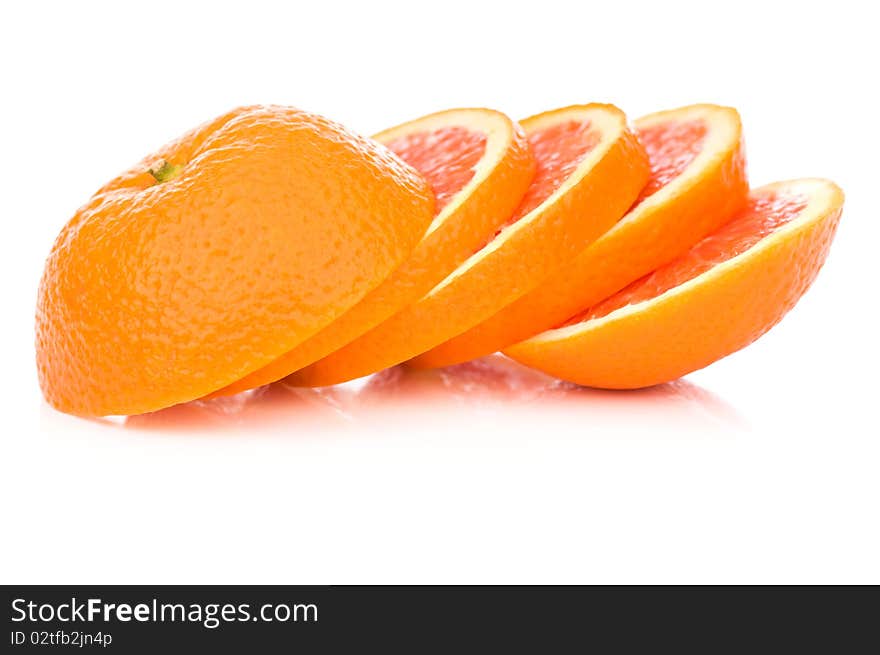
(166, 171)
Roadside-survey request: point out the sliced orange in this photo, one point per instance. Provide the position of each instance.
(479, 165)
(721, 295)
(698, 181)
(590, 170)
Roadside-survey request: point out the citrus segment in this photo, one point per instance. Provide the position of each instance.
(674, 139)
(558, 149)
(447, 157)
(590, 168)
(479, 165)
(721, 295)
(697, 182)
(213, 257)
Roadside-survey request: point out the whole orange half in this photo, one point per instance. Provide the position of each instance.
(479, 165)
(216, 255)
(698, 181)
(725, 292)
(590, 169)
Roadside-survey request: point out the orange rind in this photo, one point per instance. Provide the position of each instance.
(216, 255)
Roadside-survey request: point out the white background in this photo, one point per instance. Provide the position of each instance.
(761, 468)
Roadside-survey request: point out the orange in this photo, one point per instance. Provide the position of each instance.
(590, 168)
(698, 181)
(479, 165)
(725, 292)
(216, 255)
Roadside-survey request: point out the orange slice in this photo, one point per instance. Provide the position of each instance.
(698, 181)
(590, 170)
(479, 165)
(721, 295)
(216, 255)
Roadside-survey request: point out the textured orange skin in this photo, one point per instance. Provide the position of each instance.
(561, 229)
(437, 254)
(159, 293)
(693, 325)
(629, 250)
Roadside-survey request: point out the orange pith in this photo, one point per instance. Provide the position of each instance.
(446, 158)
(590, 169)
(697, 182)
(721, 295)
(170, 284)
(765, 212)
(479, 164)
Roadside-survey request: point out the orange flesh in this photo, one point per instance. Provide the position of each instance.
(671, 148)
(557, 150)
(763, 214)
(446, 158)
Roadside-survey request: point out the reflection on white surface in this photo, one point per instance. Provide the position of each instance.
(452, 396)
